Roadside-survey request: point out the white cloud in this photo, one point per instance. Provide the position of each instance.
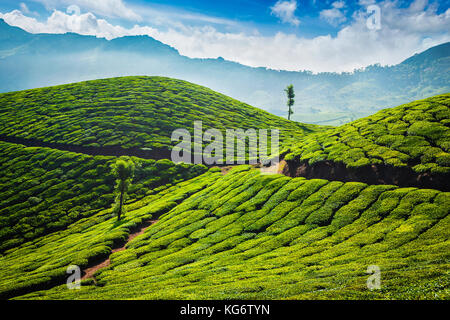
(335, 15)
(366, 3)
(404, 32)
(169, 16)
(85, 24)
(73, 9)
(24, 9)
(338, 4)
(285, 11)
(107, 8)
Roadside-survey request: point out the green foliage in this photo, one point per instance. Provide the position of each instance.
(123, 170)
(43, 190)
(415, 134)
(290, 99)
(244, 235)
(131, 112)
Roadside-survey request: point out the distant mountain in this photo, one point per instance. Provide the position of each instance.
(436, 53)
(37, 60)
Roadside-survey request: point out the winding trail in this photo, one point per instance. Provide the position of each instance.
(89, 272)
(113, 151)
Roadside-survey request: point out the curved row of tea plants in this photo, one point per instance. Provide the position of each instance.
(43, 190)
(42, 262)
(129, 112)
(415, 134)
(252, 236)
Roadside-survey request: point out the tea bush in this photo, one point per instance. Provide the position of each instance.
(43, 190)
(415, 134)
(300, 239)
(139, 112)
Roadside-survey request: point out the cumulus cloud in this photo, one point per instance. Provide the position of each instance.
(285, 11)
(335, 15)
(404, 31)
(107, 8)
(60, 22)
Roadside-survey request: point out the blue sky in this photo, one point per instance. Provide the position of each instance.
(248, 14)
(315, 35)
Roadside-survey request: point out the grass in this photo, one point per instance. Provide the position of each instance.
(250, 236)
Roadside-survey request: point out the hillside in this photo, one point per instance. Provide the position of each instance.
(43, 190)
(221, 233)
(407, 145)
(128, 112)
(38, 60)
(249, 236)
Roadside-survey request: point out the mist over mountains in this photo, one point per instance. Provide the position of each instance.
(37, 60)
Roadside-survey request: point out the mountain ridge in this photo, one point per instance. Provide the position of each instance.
(437, 51)
(440, 51)
(326, 98)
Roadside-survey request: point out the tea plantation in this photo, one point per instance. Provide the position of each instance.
(43, 190)
(219, 234)
(250, 236)
(43, 262)
(139, 112)
(413, 135)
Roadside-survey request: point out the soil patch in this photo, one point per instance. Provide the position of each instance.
(89, 272)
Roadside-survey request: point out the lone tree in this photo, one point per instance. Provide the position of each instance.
(123, 170)
(290, 95)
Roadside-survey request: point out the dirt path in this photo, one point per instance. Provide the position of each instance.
(89, 272)
(115, 151)
(225, 170)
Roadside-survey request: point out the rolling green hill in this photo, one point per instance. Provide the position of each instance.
(129, 112)
(37, 60)
(218, 235)
(249, 236)
(42, 263)
(43, 190)
(413, 136)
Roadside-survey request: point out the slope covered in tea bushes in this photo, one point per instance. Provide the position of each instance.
(251, 236)
(242, 235)
(44, 190)
(130, 112)
(42, 263)
(409, 140)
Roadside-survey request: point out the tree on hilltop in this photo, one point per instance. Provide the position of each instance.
(290, 95)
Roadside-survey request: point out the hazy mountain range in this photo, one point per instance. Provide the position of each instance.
(37, 60)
